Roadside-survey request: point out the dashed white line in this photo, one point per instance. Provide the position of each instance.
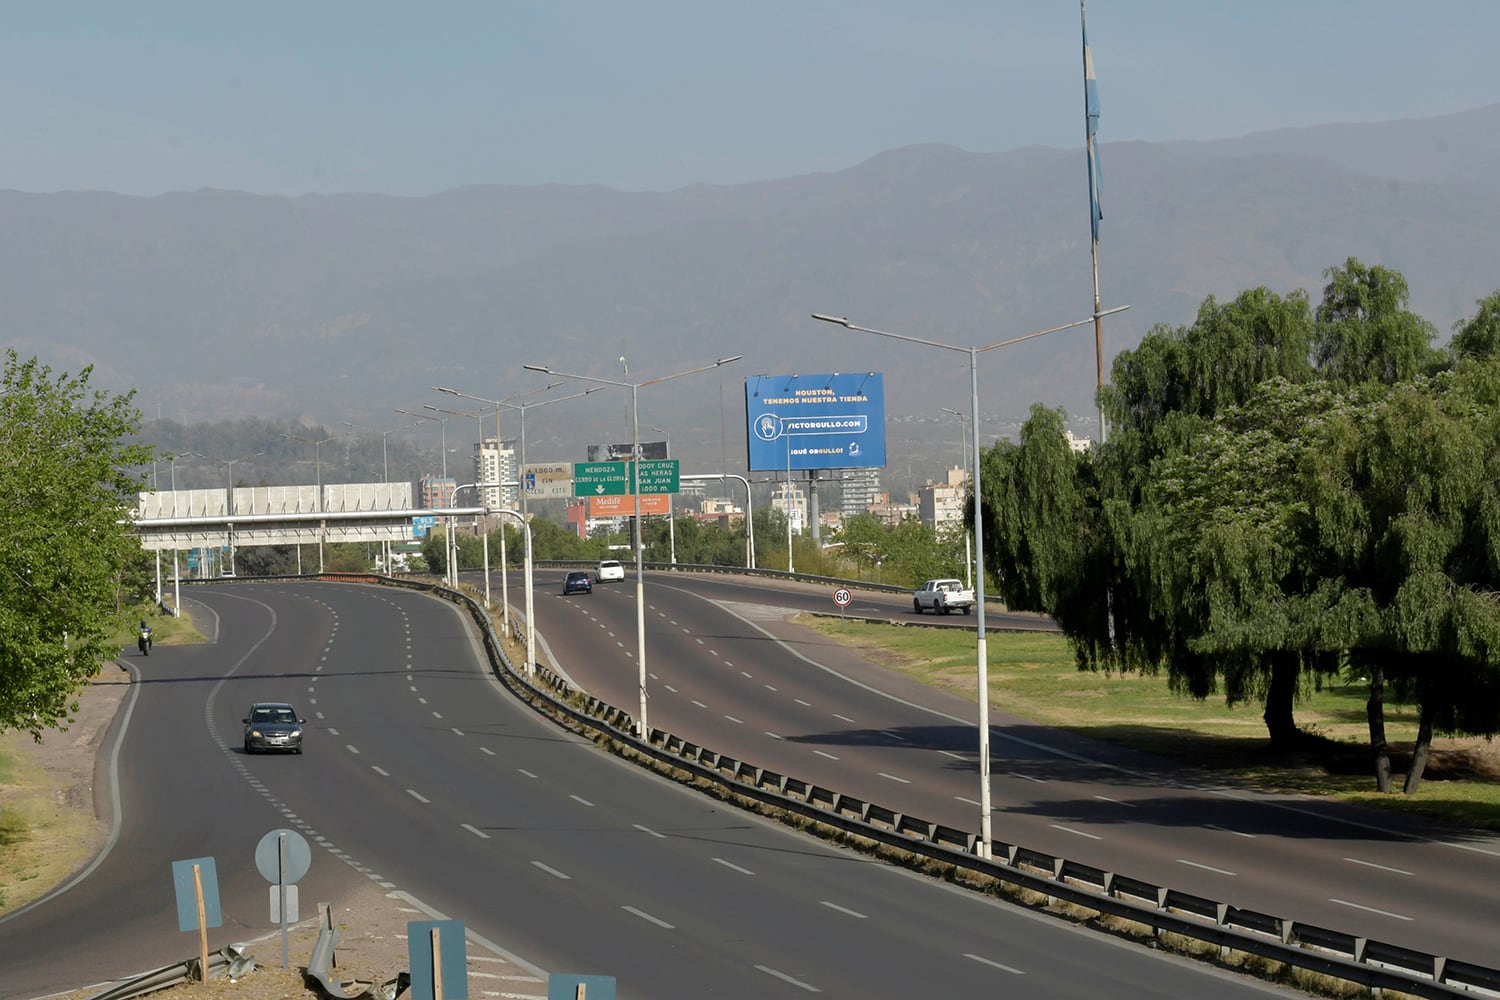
(458, 732)
(734, 867)
(418, 796)
(318, 714)
(843, 909)
(732, 719)
(994, 965)
(1018, 774)
(670, 688)
(475, 831)
(788, 979)
(351, 748)
(1225, 829)
(423, 701)
(892, 777)
(437, 715)
(1080, 833)
(523, 770)
(950, 753)
(487, 750)
(770, 688)
(581, 800)
(552, 871)
(649, 918)
(647, 829)
(1384, 868)
(804, 704)
(774, 736)
(843, 718)
(1207, 868)
(380, 771)
(887, 732)
(967, 801)
(699, 703)
(820, 753)
(1115, 802)
(1371, 909)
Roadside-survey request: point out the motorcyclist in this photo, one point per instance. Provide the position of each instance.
(144, 642)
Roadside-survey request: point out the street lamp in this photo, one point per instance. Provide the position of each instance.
(385, 465)
(671, 514)
(442, 423)
(229, 497)
(981, 652)
(643, 730)
(963, 448)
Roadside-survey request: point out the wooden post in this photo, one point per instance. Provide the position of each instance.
(437, 965)
(202, 925)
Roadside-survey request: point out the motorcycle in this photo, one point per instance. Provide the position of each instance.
(144, 641)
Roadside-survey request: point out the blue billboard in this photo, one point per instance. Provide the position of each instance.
(815, 421)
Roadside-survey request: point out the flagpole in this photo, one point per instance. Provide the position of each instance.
(1091, 126)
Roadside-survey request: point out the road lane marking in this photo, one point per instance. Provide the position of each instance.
(487, 750)
(380, 771)
(843, 909)
(458, 732)
(844, 718)
(774, 736)
(770, 688)
(732, 719)
(1384, 868)
(648, 917)
(788, 979)
(1371, 909)
(699, 703)
(581, 800)
(1207, 868)
(351, 748)
(525, 772)
(417, 795)
(1116, 802)
(670, 688)
(1080, 833)
(1225, 829)
(647, 829)
(804, 704)
(552, 871)
(475, 831)
(950, 753)
(968, 801)
(994, 965)
(820, 753)
(904, 781)
(1018, 774)
(731, 865)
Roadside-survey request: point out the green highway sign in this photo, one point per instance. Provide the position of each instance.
(659, 475)
(600, 479)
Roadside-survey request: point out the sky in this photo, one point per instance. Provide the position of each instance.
(406, 98)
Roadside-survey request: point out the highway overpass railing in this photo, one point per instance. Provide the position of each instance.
(1375, 965)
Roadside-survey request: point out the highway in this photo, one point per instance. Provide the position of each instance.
(727, 672)
(421, 774)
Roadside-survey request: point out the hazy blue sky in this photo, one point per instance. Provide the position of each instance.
(412, 98)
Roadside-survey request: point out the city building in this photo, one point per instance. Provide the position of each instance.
(437, 491)
(495, 462)
(791, 500)
(861, 487)
(942, 504)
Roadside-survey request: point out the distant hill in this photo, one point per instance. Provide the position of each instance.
(218, 304)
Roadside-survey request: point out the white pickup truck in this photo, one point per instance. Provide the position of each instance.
(942, 596)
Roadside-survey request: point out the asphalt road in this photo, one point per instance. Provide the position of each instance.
(421, 774)
(725, 671)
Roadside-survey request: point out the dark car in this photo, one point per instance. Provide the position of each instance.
(273, 725)
(578, 582)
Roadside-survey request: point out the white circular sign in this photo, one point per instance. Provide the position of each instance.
(842, 597)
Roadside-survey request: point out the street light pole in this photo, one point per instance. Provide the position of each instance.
(671, 514)
(229, 498)
(963, 448)
(980, 642)
(643, 729)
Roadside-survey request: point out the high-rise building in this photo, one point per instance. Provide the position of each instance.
(941, 504)
(495, 462)
(861, 490)
(437, 491)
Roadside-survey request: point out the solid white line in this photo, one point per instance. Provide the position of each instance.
(1116, 802)
(994, 965)
(581, 800)
(646, 916)
(843, 909)
(1207, 868)
(822, 754)
(1384, 868)
(418, 797)
(904, 781)
(1018, 774)
(525, 772)
(1225, 829)
(1081, 833)
(475, 831)
(1371, 909)
(731, 865)
(380, 771)
(551, 871)
(351, 748)
(844, 718)
(647, 829)
(788, 979)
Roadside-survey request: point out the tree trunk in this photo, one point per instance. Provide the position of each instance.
(1281, 694)
(1375, 713)
(1419, 754)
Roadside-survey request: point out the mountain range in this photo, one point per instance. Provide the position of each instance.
(328, 308)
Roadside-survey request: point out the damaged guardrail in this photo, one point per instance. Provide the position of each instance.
(231, 960)
(320, 967)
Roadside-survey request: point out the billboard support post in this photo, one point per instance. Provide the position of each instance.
(643, 729)
(980, 644)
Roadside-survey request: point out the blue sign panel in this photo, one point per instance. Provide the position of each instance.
(187, 884)
(815, 421)
(450, 956)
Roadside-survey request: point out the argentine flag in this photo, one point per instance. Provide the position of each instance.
(1091, 109)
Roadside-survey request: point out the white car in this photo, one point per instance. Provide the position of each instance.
(610, 569)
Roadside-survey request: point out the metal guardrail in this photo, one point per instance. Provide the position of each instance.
(230, 960)
(1376, 965)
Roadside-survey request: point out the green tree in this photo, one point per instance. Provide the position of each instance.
(1479, 335)
(64, 492)
(1365, 332)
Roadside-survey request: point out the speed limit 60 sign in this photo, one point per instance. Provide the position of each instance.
(842, 597)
